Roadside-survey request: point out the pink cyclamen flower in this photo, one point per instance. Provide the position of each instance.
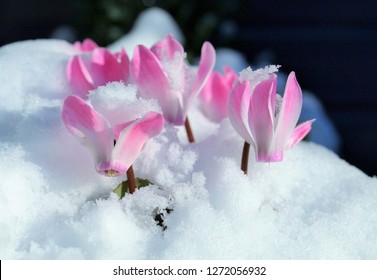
(87, 45)
(114, 148)
(87, 71)
(215, 93)
(162, 73)
(265, 119)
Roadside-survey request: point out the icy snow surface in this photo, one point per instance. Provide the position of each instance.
(53, 205)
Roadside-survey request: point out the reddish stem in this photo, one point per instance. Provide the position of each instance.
(131, 179)
(245, 157)
(190, 135)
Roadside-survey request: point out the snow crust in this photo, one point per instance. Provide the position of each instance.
(53, 205)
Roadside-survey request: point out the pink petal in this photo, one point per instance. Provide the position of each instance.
(207, 62)
(299, 133)
(153, 82)
(238, 107)
(132, 139)
(89, 127)
(289, 112)
(105, 68)
(261, 118)
(124, 62)
(167, 47)
(214, 97)
(86, 46)
(78, 76)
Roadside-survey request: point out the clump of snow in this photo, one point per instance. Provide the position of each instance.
(174, 69)
(53, 205)
(112, 99)
(255, 76)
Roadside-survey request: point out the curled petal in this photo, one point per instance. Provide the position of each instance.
(78, 76)
(89, 127)
(153, 82)
(289, 112)
(261, 118)
(167, 47)
(132, 139)
(299, 133)
(238, 107)
(207, 62)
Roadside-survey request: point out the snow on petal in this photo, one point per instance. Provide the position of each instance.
(163, 73)
(153, 82)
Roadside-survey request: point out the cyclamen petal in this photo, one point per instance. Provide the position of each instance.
(299, 133)
(214, 95)
(78, 76)
(289, 112)
(206, 65)
(135, 135)
(89, 127)
(105, 67)
(87, 45)
(153, 82)
(98, 68)
(261, 117)
(238, 108)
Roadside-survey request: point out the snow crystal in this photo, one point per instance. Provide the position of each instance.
(199, 205)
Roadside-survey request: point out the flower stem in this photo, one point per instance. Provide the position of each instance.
(190, 135)
(131, 179)
(245, 157)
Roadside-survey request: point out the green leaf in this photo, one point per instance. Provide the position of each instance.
(124, 187)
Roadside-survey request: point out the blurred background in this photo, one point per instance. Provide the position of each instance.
(331, 45)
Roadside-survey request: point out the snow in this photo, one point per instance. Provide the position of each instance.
(112, 99)
(53, 205)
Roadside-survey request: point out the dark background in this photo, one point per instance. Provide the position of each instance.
(331, 45)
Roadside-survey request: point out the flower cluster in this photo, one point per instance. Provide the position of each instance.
(264, 119)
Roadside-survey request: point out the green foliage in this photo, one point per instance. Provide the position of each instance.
(124, 187)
